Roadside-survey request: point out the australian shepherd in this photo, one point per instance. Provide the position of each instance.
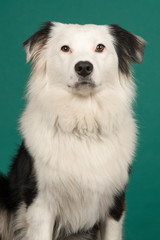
(69, 177)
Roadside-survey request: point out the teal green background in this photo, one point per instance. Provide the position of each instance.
(20, 18)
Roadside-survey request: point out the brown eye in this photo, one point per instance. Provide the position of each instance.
(100, 48)
(65, 48)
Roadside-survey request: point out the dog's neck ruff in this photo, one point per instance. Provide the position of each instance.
(96, 115)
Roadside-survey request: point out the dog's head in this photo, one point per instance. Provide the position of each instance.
(83, 59)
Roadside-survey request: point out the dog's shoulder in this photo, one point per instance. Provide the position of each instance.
(22, 179)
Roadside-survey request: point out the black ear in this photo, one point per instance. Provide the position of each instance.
(129, 47)
(36, 42)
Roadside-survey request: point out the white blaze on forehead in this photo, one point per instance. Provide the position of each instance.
(81, 35)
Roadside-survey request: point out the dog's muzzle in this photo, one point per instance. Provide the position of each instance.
(84, 70)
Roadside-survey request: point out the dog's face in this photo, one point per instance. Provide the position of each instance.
(84, 55)
(83, 59)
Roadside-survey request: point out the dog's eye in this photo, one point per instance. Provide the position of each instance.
(65, 48)
(100, 47)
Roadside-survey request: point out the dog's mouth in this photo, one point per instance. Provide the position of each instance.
(84, 84)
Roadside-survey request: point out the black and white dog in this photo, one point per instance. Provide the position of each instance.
(69, 177)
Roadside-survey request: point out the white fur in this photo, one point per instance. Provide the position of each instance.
(112, 229)
(82, 144)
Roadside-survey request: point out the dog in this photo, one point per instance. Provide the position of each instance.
(69, 177)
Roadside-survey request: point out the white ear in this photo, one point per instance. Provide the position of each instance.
(36, 42)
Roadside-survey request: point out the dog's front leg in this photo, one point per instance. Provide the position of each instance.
(112, 227)
(40, 220)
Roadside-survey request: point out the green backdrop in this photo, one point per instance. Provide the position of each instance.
(20, 18)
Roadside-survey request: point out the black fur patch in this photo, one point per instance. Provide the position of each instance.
(20, 186)
(4, 191)
(40, 36)
(129, 169)
(129, 47)
(119, 206)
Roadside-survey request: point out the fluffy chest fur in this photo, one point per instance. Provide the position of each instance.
(81, 161)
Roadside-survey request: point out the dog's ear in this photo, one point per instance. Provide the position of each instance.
(129, 47)
(37, 41)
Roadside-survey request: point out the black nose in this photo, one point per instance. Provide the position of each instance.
(84, 68)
